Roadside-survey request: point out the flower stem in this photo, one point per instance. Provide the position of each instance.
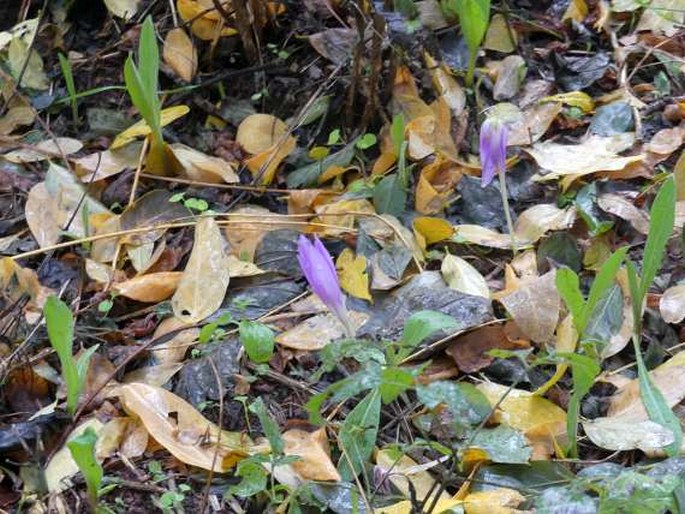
(505, 204)
(471, 69)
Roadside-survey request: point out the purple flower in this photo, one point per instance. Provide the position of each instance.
(493, 149)
(319, 270)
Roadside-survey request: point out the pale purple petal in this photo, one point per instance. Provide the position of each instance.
(319, 270)
(493, 149)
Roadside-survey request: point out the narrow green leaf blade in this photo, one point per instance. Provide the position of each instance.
(269, 426)
(662, 218)
(358, 435)
(568, 286)
(148, 58)
(82, 449)
(603, 281)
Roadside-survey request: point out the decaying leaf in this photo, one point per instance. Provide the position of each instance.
(205, 21)
(672, 304)
(268, 140)
(180, 54)
(314, 454)
(623, 433)
(316, 332)
(125, 9)
(205, 278)
(48, 149)
(542, 422)
(535, 307)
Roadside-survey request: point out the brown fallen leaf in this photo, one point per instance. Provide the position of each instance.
(314, 454)
(182, 430)
(151, 288)
(469, 350)
(180, 54)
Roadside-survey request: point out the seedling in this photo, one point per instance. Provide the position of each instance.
(60, 325)
(474, 16)
(82, 450)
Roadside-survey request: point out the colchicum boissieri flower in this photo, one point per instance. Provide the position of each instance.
(493, 149)
(493, 160)
(318, 268)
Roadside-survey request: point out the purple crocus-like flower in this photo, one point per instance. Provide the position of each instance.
(319, 270)
(493, 149)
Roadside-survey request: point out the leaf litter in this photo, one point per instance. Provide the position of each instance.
(182, 205)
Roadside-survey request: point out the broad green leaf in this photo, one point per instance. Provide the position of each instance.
(253, 478)
(662, 218)
(422, 324)
(82, 450)
(474, 16)
(269, 426)
(394, 381)
(257, 339)
(503, 444)
(358, 435)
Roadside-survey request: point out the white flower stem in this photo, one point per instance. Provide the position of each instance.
(505, 204)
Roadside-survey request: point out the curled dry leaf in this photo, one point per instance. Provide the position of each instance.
(123, 8)
(48, 149)
(541, 421)
(626, 210)
(202, 167)
(535, 307)
(672, 304)
(446, 85)
(180, 54)
(317, 331)
(204, 282)
(16, 117)
(312, 448)
(182, 430)
(268, 140)
(152, 288)
(462, 276)
(596, 153)
(206, 22)
(43, 216)
(536, 221)
(101, 165)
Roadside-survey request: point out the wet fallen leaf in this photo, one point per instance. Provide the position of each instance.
(174, 350)
(462, 276)
(672, 304)
(152, 288)
(43, 216)
(470, 350)
(542, 422)
(205, 21)
(204, 168)
(626, 210)
(536, 221)
(25, 62)
(268, 140)
(183, 431)
(500, 37)
(100, 165)
(205, 278)
(433, 230)
(500, 500)
(180, 54)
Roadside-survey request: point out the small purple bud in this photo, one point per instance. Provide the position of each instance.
(493, 149)
(318, 268)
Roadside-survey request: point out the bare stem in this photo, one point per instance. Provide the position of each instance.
(505, 204)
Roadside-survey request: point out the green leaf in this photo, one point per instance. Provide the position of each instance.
(468, 405)
(656, 405)
(148, 58)
(662, 218)
(390, 196)
(60, 326)
(422, 324)
(474, 17)
(397, 131)
(634, 285)
(366, 141)
(269, 426)
(253, 479)
(358, 435)
(503, 444)
(584, 371)
(568, 286)
(394, 381)
(82, 449)
(603, 281)
(586, 205)
(258, 340)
